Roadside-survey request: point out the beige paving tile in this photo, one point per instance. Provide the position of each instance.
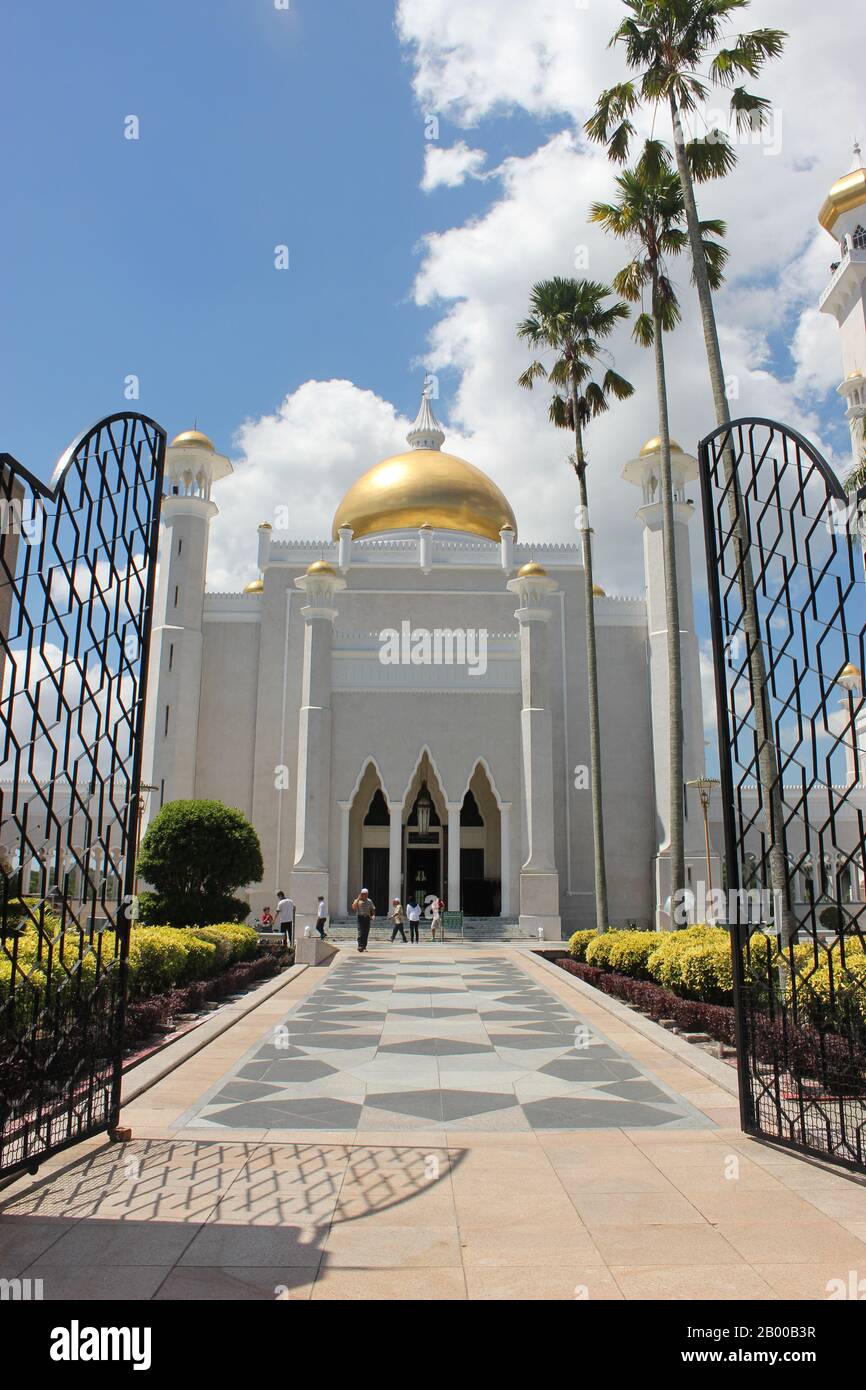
(529, 1246)
(786, 1243)
(664, 1246)
(95, 1244)
(225, 1246)
(822, 1280)
(734, 1202)
(372, 1244)
(240, 1284)
(692, 1282)
(572, 1282)
(24, 1239)
(123, 1283)
(595, 1176)
(642, 1209)
(422, 1285)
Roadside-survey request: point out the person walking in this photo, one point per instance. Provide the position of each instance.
(438, 909)
(414, 915)
(366, 910)
(321, 917)
(398, 917)
(284, 918)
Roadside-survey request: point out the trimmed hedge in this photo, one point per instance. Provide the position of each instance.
(160, 959)
(145, 1016)
(835, 1062)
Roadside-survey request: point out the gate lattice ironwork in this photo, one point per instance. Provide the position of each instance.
(77, 562)
(786, 583)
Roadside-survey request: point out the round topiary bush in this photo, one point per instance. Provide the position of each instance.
(196, 854)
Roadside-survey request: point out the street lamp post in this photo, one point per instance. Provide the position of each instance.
(144, 792)
(704, 786)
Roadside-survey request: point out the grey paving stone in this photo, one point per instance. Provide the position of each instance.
(460, 1105)
(433, 1047)
(562, 1112)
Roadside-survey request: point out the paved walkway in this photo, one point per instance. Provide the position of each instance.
(433, 1123)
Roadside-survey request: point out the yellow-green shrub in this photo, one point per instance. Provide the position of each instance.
(233, 941)
(578, 943)
(158, 959)
(695, 961)
(626, 952)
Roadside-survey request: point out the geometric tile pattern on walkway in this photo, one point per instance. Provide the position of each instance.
(436, 1041)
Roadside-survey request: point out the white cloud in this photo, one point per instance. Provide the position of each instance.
(549, 60)
(303, 457)
(450, 167)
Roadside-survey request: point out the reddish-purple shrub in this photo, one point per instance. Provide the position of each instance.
(799, 1050)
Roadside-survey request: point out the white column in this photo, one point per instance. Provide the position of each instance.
(313, 811)
(395, 851)
(539, 878)
(343, 879)
(505, 858)
(454, 809)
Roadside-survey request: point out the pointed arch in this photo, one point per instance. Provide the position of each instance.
(482, 762)
(418, 761)
(368, 762)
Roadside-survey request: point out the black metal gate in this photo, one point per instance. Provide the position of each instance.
(77, 563)
(786, 583)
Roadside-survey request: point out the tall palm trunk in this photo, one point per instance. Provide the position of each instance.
(601, 916)
(768, 770)
(672, 618)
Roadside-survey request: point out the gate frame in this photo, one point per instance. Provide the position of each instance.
(51, 491)
(742, 427)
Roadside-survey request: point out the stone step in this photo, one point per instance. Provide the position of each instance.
(474, 929)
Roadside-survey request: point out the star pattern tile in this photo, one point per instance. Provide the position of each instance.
(437, 1044)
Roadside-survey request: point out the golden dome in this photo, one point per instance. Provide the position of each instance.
(265, 526)
(652, 446)
(847, 193)
(856, 375)
(424, 486)
(255, 586)
(532, 571)
(321, 567)
(191, 438)
(598, 591)
(851, 677)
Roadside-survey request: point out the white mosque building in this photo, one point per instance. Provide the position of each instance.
(404, 707)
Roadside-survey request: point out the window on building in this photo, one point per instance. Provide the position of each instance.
(377, 812)
(469, 812)
(167, 713)
(171, 656)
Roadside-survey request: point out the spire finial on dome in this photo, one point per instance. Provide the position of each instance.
(426, 433)
(858, 156)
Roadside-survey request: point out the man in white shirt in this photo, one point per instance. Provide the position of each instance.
(284, 919)
(413, 912)
(321, 917)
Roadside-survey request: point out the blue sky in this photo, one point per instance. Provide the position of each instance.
(155, 256)
(261, 126)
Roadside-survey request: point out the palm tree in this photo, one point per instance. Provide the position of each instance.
(571, 319)
(670, 43)
(649, 214)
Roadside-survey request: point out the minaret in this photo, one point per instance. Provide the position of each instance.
(843, 215)
(192, 466)
(645, 472)
(426, 433)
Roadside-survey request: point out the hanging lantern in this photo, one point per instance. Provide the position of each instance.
(424, 806)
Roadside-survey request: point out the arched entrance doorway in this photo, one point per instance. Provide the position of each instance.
(480, 848)
(424, 836)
